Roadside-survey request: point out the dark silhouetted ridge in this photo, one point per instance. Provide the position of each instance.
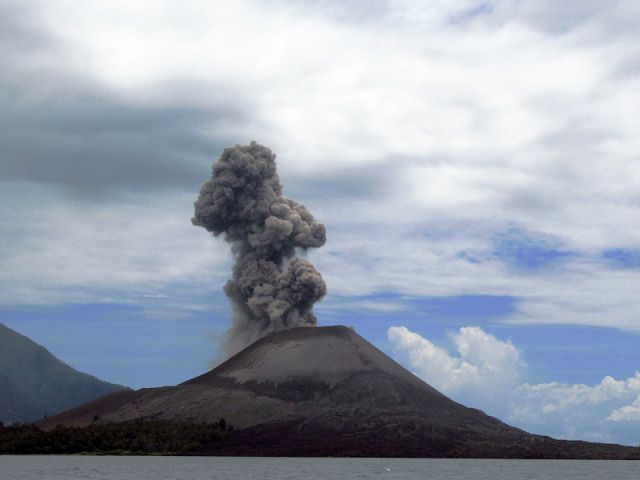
(34, 383)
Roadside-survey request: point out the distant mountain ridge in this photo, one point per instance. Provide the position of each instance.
(34, 383)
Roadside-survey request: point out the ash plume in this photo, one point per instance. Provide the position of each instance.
(271, 288)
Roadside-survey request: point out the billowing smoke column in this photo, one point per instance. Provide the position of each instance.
(271, 288)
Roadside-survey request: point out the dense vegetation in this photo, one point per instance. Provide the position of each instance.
(135, 437)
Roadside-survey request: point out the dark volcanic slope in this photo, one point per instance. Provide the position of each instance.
(34, 383)
(321, 372)
(327, 391)
(333, 371)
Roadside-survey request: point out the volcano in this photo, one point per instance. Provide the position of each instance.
(320, 391)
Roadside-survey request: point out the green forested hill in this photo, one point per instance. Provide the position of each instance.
(34, 383)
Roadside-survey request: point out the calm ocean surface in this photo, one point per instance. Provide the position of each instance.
(188, 468)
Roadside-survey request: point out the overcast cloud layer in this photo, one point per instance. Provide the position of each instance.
(451, 148)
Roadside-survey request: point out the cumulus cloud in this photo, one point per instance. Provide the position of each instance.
(550, 398)
(488, 373)
(484, 363)
(628, 412)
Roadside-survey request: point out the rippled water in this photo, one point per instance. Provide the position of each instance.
(188, 468)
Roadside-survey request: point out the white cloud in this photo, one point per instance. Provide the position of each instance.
(556, 397)
(485, 364)
(628, 412)
(471, 117)
(487, 373)
(98, 252)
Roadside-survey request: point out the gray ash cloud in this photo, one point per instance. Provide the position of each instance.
(271, 288)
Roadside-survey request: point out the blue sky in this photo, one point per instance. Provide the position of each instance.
(124, 343)
(476, 165)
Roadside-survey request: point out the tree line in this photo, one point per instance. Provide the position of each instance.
(136, 437)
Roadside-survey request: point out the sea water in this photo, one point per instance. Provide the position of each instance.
(195, 468)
